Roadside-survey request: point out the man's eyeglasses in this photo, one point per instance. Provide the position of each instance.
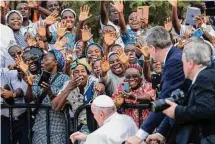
(134, 76)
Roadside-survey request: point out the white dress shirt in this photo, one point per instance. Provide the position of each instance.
(10, 78)
(115, 130)
(6, 40)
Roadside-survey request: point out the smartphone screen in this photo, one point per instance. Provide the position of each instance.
(45, 76)
(156, 78)
(125, 87)
(198, 33)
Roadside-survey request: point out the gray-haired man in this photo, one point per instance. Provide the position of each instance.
(199, 110)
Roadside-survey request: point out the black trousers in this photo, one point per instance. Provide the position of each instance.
(20, 129)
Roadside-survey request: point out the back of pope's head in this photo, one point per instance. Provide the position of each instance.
(103, 103)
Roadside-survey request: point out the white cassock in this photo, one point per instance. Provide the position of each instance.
(116, 129)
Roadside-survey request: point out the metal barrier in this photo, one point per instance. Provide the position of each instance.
(140, 108)
(28, 107)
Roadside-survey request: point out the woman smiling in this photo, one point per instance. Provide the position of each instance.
(14, 20)
(139, 91)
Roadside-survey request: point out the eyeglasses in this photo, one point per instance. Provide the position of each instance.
(134, 76)
(17, 53)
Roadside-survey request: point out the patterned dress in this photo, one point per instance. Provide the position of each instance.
(145, 91)
(57, 119)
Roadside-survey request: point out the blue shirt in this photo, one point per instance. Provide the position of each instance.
(130, 36)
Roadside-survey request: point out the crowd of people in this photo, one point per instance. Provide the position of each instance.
(55, 60)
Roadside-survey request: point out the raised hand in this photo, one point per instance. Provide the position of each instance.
(105, 65)
(86, 33)
(60, 43)
(144, 22)
(99, 88)
(143, 49)
(41, 29)
(41, 45)
(168, 24)
(3, 4)
(181, 44)
(84, 13)
(29, 79)
(62, 29)
(118, 5)
(52, 18)
(119, 100)
(30, 40)
(21, 65)
(174, 3)
(110, 37)
(75, 82)
(32, 4)
(69, 56)
(122, 56)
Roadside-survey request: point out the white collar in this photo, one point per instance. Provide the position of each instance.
(110, 117)
(167, 54)
(194, 79)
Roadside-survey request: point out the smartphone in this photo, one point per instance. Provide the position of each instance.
(192, 13)
(45, 77)
(125, 87)
(143, 12)
(198, 33)
(156, 79)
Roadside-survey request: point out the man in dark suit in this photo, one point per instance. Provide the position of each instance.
(161, 49)
(198, 115)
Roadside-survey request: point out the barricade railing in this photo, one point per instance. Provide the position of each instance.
(28, 109)
(139, 107)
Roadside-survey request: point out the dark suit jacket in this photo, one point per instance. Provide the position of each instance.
(200, 109)
(172, 79)
(165, 128)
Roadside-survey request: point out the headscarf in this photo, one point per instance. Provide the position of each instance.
(135, 66)
(68, 9)
(11, 12)
(101, 49)
(83, 62)
(59, 58)
(111, 53)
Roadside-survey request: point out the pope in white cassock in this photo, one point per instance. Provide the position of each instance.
(114, 128)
